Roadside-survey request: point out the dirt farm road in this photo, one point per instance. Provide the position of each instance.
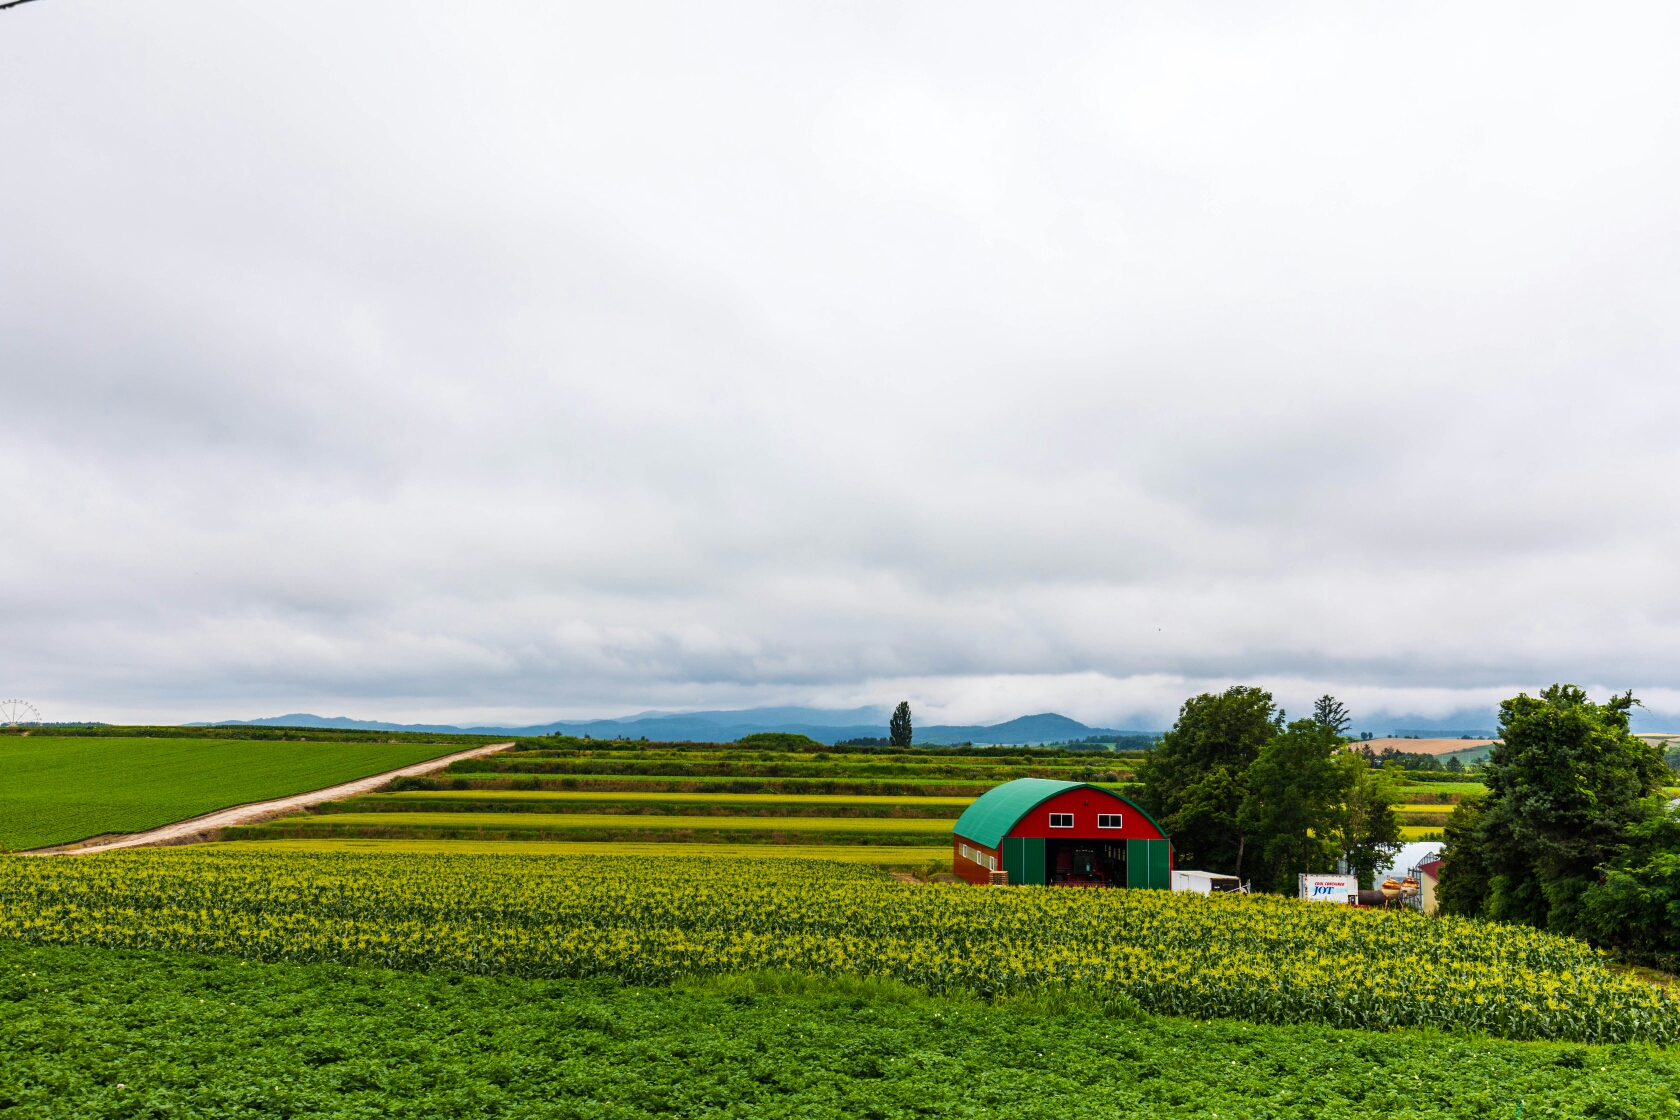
(196, 828)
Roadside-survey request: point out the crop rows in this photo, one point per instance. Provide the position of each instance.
(926, 859)
(721, 828)
(602, 822)
(672, 804)
(652, 920)
(661, 797)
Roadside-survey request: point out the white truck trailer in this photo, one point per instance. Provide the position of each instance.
(1205, 882)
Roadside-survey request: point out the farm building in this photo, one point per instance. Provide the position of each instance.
(1041, 831)
(1429, 883)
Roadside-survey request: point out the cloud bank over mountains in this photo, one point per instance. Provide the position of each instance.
(447, 364)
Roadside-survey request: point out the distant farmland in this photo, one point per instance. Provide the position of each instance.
(1424, 746)
(719, 794)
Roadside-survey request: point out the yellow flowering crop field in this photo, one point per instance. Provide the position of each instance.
(653, 919)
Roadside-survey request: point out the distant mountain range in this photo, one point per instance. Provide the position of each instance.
(822, 724)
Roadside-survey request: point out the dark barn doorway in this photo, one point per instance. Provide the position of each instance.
(1085, 863)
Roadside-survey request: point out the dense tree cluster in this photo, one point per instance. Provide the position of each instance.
(1410, 760)
(1243, 792)
(1575, 834)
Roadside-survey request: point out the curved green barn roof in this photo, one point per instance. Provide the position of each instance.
(995, 812)
(988, 820)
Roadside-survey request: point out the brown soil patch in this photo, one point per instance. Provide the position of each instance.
(1422, 746)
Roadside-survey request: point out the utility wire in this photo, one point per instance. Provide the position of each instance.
(12, 4)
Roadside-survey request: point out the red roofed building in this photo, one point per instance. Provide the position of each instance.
(1072, 833)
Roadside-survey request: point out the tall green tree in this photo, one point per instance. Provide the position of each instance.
(1294, 804)
(1567, 786)
(1368, 827)
(1464, 865)
(1196, 778)
(1330, 712)
(899, 732)
(1635, 909)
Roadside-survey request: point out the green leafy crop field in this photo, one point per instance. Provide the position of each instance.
(60, 788)
(93, 1032)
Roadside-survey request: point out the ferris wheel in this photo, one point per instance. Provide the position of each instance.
(18, 713)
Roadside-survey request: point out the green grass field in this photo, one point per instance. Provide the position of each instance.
(60, 789)
(1444, 787)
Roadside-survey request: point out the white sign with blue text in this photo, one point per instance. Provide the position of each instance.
(1330, 888)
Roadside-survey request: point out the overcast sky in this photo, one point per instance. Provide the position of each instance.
(507, 362)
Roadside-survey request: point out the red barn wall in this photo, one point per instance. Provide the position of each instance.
(1085, 805)
(966, 869)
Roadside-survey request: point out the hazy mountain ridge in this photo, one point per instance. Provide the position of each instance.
(725, 726)
(830, 725)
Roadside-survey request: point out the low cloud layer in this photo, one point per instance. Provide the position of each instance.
(429, 362)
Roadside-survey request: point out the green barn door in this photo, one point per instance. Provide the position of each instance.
(1023, 858)
(1137, 863)
(1033, 847)
(1160, 864)
(1147, 864)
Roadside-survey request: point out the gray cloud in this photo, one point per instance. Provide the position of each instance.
(416, 361)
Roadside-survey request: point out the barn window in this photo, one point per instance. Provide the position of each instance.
(1061, 820)
(1108, 820)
